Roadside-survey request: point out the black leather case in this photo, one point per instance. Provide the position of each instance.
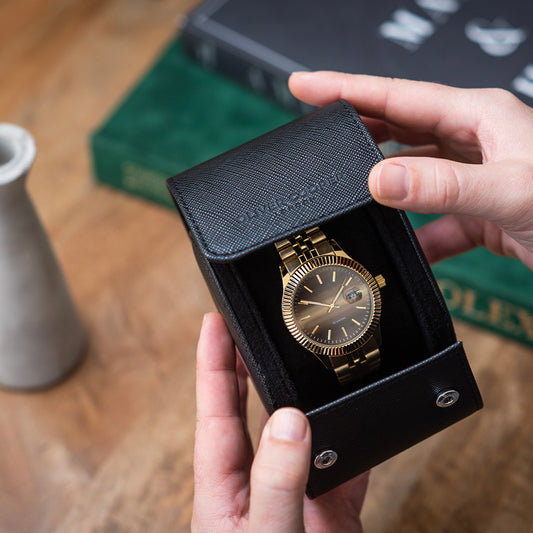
(314, 171)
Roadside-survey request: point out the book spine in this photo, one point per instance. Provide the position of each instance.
(117, 166)
(484, 309)
(262, 78)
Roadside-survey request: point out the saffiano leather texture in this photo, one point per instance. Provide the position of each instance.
(314, 171)
(274, 185)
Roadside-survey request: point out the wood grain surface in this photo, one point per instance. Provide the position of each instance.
(110, 449)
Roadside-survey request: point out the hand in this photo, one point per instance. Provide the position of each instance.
(235, 492)
(473, 158)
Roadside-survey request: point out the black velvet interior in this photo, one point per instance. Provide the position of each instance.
(414, 324)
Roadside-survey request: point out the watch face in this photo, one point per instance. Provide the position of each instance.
(330, 303)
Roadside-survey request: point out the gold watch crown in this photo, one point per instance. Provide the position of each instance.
(380, 280)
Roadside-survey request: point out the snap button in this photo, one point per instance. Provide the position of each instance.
(326, 459)
(447, 398)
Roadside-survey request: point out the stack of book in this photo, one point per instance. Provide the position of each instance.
(181, 113)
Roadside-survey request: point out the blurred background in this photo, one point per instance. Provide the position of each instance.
(112, 98)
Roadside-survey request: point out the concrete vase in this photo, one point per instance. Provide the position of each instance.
(41, 336)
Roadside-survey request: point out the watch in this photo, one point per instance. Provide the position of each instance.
(331, 304)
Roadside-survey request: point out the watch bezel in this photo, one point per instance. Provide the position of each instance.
(287, 307)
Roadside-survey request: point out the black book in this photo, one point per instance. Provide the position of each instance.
(466, 43)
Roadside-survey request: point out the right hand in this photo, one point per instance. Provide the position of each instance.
(473, 158)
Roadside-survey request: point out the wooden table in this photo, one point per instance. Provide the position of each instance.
(110, 449)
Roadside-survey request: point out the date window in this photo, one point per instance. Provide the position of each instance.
(353, 296)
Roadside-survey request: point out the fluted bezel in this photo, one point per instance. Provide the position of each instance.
(287, 305)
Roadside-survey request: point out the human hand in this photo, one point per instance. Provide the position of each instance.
(235, 492)
(473, 158)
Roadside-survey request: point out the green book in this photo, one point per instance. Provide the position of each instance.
(181, 114)
(487, 290)
(177, 116)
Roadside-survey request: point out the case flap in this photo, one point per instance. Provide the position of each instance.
(257, 193)
(389, 416)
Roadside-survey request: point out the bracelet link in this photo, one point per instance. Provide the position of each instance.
(298, 249)
(358, 367)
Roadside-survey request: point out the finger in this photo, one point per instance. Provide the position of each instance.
(340, 508)
(264, 419)
(216, 381)
(419, 151)
(222, 450)
(452, 235)
(279, 474)
(446, 237)
(382, 131)
(436, 151)
(463, 117)
(418, 106)
(423, 146)
(499, 192)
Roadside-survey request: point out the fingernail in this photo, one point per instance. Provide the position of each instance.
(392, 182)
(288, 424)
(302, 73)
(204, 319)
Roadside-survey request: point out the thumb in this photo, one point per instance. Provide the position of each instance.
(501, 192)
(279, 474)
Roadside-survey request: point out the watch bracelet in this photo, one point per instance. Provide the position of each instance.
(297, 249)
(357, 367)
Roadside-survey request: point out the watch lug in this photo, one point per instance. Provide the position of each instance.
(371, 344)
(341, 253)
(285, 277)
(335, 246)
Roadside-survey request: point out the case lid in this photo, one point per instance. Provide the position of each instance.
(294, 177)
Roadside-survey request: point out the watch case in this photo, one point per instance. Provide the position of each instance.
(313, 172)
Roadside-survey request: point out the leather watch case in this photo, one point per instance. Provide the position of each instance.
(314, 171)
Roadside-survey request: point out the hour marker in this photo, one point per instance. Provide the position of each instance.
(360, 307)
(358, 323)
(314, 330)
(305, 287)
(305, 317)
(334, 272)
(349, 279)
(319, 279)
(344, 331)
(329, 334)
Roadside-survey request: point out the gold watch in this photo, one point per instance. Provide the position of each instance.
(331, 304)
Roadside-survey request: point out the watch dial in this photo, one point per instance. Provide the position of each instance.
(333, 305)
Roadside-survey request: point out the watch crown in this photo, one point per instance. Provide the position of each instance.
(380, 280)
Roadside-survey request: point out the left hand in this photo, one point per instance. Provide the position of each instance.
(235, 491)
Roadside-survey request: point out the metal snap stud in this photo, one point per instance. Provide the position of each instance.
(326, 459)
(447, 398)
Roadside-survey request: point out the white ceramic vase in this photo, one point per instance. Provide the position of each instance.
(41, 336)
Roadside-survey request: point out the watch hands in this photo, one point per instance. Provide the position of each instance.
(332, 305)
(308, 302)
